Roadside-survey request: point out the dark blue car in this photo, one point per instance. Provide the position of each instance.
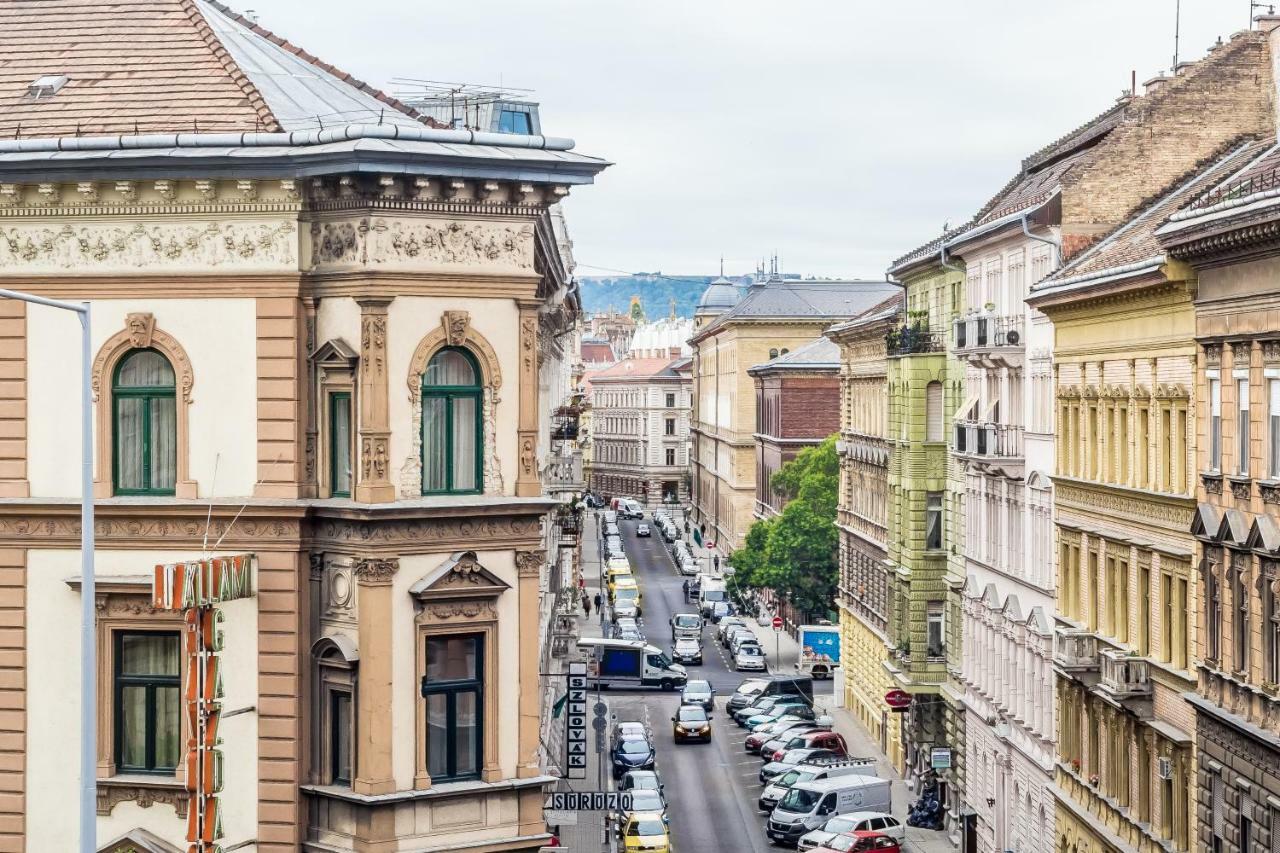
(632, 754)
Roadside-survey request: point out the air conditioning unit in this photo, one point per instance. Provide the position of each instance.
(1164, 768)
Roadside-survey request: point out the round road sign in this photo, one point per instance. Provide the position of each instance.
(777, 623)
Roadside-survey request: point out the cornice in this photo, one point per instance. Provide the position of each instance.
(1246, 237)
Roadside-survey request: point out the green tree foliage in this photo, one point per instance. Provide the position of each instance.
(795, 553)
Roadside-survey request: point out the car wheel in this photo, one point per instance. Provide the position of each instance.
(668, 684)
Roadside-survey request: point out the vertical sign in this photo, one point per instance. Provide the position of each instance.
(575, 721)
(195, 588)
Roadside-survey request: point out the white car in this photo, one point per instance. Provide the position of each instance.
(642, 530)
(880, 822)
(749, 658)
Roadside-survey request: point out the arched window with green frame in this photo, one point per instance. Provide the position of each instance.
(452, 436)
(145, 425)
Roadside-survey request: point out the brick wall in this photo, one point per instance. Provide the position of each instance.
(810, 406)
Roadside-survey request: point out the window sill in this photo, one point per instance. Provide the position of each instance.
(1241, 486)
(143, 789)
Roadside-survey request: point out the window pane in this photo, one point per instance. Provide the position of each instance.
(464, 444)
(438, 734)
(164, 443)
(340, 443)
(149, 654)
(144, 369)
(467, 734)
(449, 367)
(168, 709)
(434, 444)
(133, 726)
(340, 745)
(129, 415)
(452, 658)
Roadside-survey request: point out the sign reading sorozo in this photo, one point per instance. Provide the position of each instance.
(196, 587)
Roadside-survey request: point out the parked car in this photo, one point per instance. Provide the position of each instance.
(796, 707)
(642, 800)
(642, 530)
(722, 628)
(625, 729)
(626, 608)
(816, 768)
(743, 637)
(745, 694)
(790, 759)
(612, 530)
(878, 822)
(773, 743)
(640, 780)
(610, 517)
(635, 753)
(816, 739)
(785, 727)
(691, 723)
(762, 705)
(646, 831)
(719, 610)
(698, 692)
(687, 650)
(861, 842)
(749, 658)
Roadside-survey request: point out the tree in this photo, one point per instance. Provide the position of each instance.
(637, 310)
(794, 554)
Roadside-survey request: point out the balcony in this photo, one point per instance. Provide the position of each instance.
(912, 340)
(990, 340)
(997, 446)
(564, 423)
(564, 473)
(1076, 650)
(1124, 676)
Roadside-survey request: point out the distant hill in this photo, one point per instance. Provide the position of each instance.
(602, 292)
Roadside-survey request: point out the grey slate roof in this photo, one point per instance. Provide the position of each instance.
(818, 354)
(788, 299)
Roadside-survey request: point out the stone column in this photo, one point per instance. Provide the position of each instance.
(529, 568)
(374, 485)
(373, 716)
(527, 482)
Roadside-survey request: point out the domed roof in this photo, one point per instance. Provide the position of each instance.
(720, 295)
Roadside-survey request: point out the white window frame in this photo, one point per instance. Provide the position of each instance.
(1215, 420)
(1242, 423)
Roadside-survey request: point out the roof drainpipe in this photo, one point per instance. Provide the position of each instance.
(1057, 246)
(942, 258)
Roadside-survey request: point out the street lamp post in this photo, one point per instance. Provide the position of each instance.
(88, 618)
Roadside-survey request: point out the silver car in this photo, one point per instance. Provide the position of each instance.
(687, 650)
(749, 658)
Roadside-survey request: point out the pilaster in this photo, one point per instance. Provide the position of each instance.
(529, 569)
(373, 727)
(281, 429)
(374, 485)
(527, 483)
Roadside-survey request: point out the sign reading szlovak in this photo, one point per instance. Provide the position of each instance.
(195, 587)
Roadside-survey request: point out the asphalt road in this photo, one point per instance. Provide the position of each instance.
(711, 788)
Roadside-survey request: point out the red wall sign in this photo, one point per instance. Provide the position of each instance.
(898, 700)
(195, 587)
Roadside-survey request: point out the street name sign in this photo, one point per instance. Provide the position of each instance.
(589, 801)
(575, 721)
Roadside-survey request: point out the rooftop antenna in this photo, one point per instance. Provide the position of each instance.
(1254, 5)
(1177, 32)
(722, 266)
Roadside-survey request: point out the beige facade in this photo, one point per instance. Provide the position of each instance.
(296, 327)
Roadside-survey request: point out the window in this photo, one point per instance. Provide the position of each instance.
(514, 121)
(933, 521)
(1215, 423)
(671, 456)
(935, 623)
(451, 430)
(1242, 427)
(671, 401)
(1166, 606)
(453, 689)
(1273, 428)
(1271, 614)
(146, 425)
(148, 706)
(773, 353)
(933, 411)
(1240, 603)
(340, 444)
(669, 426)
(1213, 602)
(339, 737)
(1144, 610)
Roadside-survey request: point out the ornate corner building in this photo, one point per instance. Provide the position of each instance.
(325, 345)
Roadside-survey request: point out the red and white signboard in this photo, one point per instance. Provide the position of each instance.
(195, 587)
(777, 623)
(898, 700)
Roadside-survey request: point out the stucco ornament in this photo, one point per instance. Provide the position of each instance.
(169, 245)
(456, 324)
(141, 326)
(422, 244)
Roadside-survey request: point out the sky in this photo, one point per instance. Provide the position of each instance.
(836, 134)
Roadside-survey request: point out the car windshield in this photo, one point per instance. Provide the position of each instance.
(714, 595)
(642, 782)
(838, 824)
(691, 714)
(842, 843)
(687, 644)
(646, 801)
(646, 826)
(687, 620)
(750, 650)
(791, 777)
(799, 800)
(635, 747)
(625, 592)
(698, 687)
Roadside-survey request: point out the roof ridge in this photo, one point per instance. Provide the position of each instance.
(220, 52)
(312, 59)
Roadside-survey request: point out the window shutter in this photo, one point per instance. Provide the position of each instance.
(1215, 805)
(933, 411)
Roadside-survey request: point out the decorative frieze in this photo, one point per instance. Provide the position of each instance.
(421, 244)
(142, 794)
(371, 571)
(529, 563)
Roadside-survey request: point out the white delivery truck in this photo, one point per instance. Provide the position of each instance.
(809, 805)
(629, 663)
(710, 590)
(808, 772)
(819, 650)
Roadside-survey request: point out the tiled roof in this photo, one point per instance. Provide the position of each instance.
(817, 354)
(886, 309)
(1029, 189)
(1135, 242)
(637, 368)
(800, 299)
(597, 351)
(928, 250)
(152, 66)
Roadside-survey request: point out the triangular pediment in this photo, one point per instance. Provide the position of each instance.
(991, 597)
(1264, 535)
(138, 841)
(1013, 609)
(460, 576)
(1205, 521)
(335, 351)
(1233, 529)
(1039, 622)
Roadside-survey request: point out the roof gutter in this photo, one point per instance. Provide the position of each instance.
(1056, 244)
(942, 259)
(293, 139)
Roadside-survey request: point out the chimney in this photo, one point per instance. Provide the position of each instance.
(673, 352)
(1154, 84)
(1267, 23)
(1182, 66)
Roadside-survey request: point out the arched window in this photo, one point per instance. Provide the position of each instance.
(451, 431)
(144, 411)
(773, 353)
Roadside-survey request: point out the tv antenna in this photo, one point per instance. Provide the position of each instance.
(1254, 5)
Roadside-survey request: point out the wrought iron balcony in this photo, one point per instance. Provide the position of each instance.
(1124, 676)
(983, 440)
(913, 339)
(1076, 650)
(564, 423)
(989, 332)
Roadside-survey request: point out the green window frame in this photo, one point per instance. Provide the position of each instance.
(145, 401)
(444, 407)
(340, 455)
(155, 696)
(454, 689)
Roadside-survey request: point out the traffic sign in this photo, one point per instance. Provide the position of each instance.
(777, 623)
(898, 700)
(589, 801)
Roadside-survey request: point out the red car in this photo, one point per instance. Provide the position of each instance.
(857, 842)
(818, 739)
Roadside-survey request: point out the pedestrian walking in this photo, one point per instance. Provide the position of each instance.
(597, 601)
(586, 606)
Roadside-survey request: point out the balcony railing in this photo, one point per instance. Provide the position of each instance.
(1076, 649)
(989, 332)
(909, 340)
(564, 473)
(1124, 676)
(986, 440)
(564, 423)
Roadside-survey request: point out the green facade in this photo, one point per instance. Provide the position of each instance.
(925, 581)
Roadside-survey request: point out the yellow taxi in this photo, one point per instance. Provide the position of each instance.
(625, 586)
(613, 574)
(646, 831)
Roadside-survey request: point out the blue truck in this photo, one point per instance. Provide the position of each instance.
(819, 650)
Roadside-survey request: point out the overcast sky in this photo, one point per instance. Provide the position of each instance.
(839, 134)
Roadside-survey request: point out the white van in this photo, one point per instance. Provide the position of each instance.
(629, 508)
(710, 590)
(809, 805)
(778, 787)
